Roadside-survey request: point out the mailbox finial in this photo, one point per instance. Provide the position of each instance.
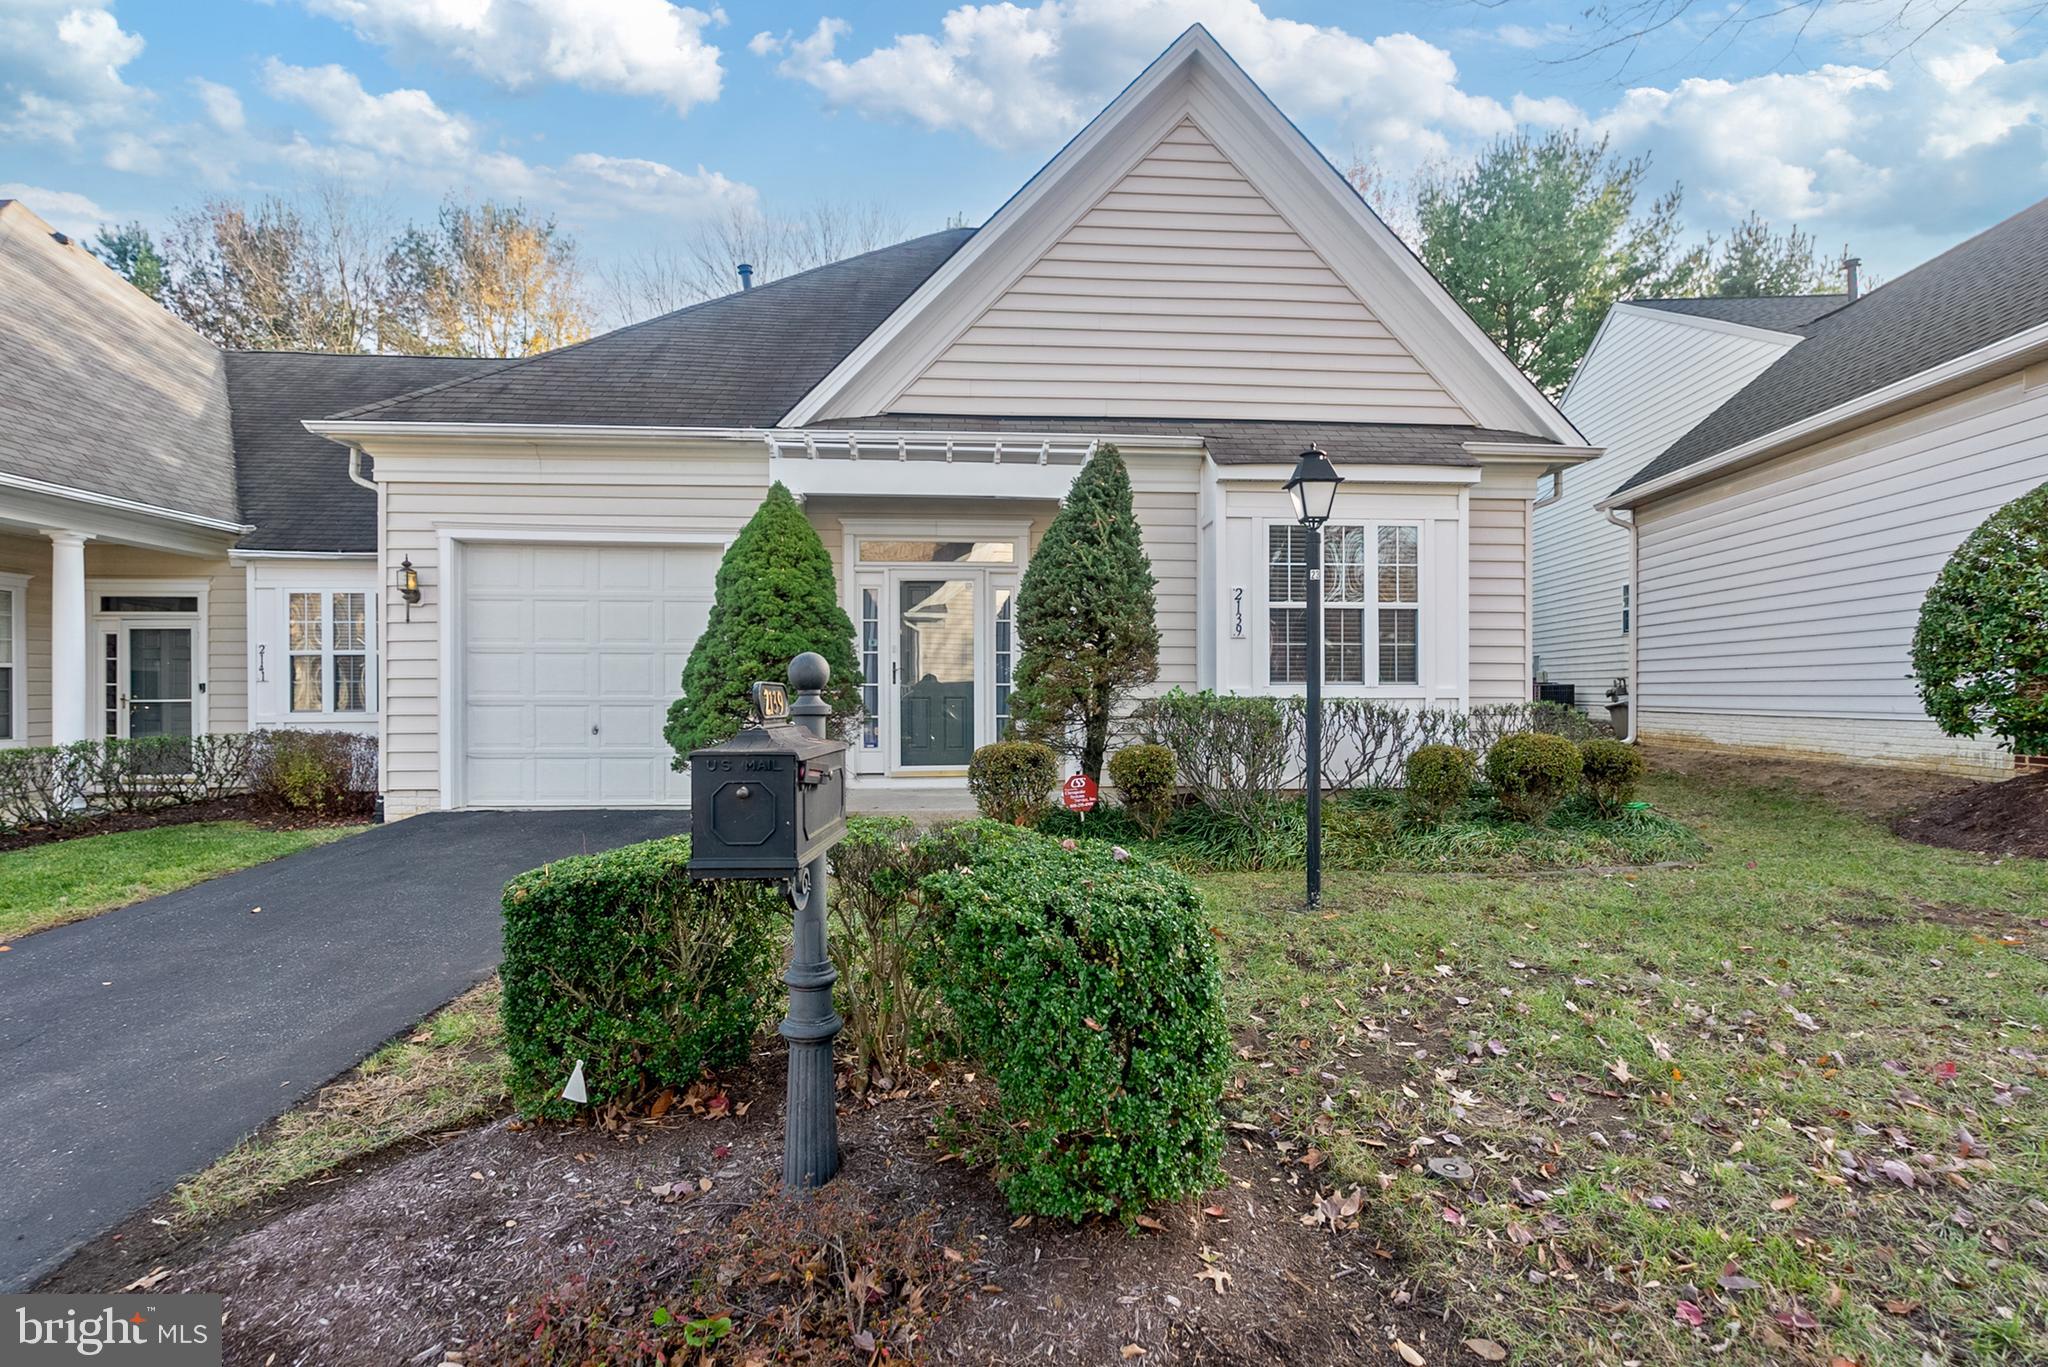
(808, 672)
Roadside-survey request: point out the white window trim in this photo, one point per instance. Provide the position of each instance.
(1262, 658)
(327, 711)
(17, 731)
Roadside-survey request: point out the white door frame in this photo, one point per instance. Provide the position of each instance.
(103, 622)
(449, 542)
(884, 576)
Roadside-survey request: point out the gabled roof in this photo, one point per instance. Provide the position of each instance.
(101, 390)
(1772, 312)
(1193, 79)
(1236, 441)
(1973, 295)
(294, 486)
(738, 361)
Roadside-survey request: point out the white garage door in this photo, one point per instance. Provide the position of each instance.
(570, 656)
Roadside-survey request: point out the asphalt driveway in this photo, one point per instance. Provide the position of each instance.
(140, 1045)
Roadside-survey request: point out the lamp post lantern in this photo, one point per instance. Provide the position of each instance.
(1313, 490)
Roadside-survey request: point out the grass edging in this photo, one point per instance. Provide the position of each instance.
(449, 1070)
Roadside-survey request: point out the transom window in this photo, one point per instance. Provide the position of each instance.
(328, 637)
(904, 551)
(1371, 583)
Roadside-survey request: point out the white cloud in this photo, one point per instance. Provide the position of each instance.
(404, 135)
(65, 210)
(223, 106)
(639, 47)
(1015, 75)
(60, 69)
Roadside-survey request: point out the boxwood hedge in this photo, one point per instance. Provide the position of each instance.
(1084, 982)
(620, 960)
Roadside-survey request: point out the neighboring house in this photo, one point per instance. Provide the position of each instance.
(1188, 279)
(1783, 544)
(1655, 369)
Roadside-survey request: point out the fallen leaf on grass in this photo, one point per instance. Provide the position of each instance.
(1688, 1313)
(1785, 1203)
(1487, 1349)
(1731, 1279)
(149, 1280)
(1901, 1307)
(1619, 1069)
(1897, 1171)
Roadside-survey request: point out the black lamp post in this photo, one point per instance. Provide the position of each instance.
(1314, 492)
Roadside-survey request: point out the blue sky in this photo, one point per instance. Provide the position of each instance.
(632, 119)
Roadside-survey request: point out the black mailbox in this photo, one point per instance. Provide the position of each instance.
(765, 803)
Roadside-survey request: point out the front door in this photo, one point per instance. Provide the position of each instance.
(148, 683)
(938, 650)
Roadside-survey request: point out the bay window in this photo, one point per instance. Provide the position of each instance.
(1372, 603)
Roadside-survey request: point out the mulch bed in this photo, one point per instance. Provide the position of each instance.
(2008, 818)
(242, 807)
(410, 1257)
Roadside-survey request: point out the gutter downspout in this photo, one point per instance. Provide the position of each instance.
(355, 468)
(1556, 473)
(1635, 626)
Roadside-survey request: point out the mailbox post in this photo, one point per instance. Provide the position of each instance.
(769, 804)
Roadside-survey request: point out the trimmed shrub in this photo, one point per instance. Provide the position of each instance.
(1980, 650)
(1012, 780)
(1085, 617)
(1233, 752)
(620, 960)
(1086, 987)
(775, 598)
(1146, 775)
(47, 785)
(1531, 772)
(324, 772)
(1439, 780)
(1610, 771)
(883, 944)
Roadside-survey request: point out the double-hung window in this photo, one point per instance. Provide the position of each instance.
(1372, 603)
(13, 590)
(328, 639)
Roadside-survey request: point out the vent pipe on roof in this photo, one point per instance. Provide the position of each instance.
(1850, 264)
(746, 276)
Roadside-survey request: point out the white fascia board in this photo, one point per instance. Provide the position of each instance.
(1195, 78)
(241, 556)
(114, 503)
(1531, 453)
(2021, 349)
(1354, 473)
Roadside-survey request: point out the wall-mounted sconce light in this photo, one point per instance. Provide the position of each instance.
(408, 585)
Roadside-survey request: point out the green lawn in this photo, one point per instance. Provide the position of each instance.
(1661, 1079)
(48, 885)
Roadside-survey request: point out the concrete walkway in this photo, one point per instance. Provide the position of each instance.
(140, 1045)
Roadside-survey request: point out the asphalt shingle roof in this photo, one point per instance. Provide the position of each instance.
(1234, 441)
(294, 486)
(739, 361)
(1974, 294)
(100, 389)
(1777, 312)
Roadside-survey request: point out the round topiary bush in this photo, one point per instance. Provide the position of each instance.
(1438, 779)
(1147, 777)
(1610, 770)
(1531, 773)
(1084, 983)
(1980, 651)
(1012, 779)
(620, 960)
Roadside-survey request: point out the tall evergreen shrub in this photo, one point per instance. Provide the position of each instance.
(776, 598)
(1980, 651)
(1086, 617)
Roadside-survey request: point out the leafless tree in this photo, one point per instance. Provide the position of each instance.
(704, 264)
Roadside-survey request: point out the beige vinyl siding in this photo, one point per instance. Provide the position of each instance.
(30, 555)
(1500, 600)
(227, 619)
(1166, 521)
(1649, 379)
(1791, 591)
(681, 489)
(1182, 292)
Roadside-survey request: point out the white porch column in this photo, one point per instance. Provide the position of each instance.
(67, 636)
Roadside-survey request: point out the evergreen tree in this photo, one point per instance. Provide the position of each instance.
(1085, 617)
(775, 599)
(132, 253)
(1756, 261)
(1980, 652)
